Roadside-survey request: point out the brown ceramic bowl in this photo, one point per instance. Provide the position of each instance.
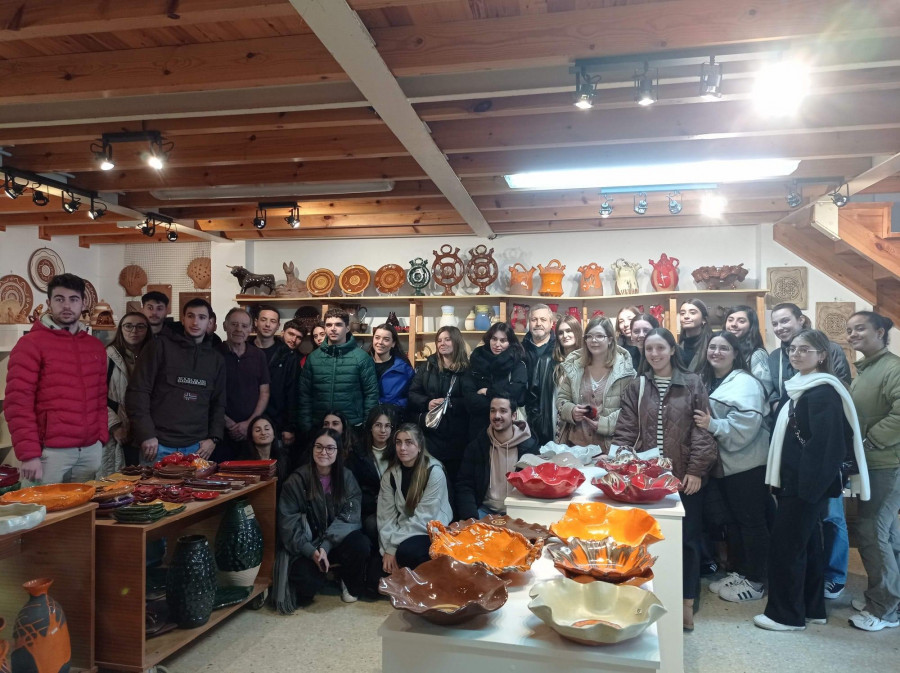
(497, 549)
(445, 591)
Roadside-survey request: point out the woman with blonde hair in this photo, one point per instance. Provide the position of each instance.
(413, 493)
(569, 337)
(591, 387)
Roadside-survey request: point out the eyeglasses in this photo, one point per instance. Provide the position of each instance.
(801, 350)
(721, 349)
(383, 426)
(328, 450)
(140, 327)
(596, 337)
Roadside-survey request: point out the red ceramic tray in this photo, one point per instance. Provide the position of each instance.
(205, 495)
(247, 464)
(636, 488)
(547, 480)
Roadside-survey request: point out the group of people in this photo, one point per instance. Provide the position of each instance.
(370, 450)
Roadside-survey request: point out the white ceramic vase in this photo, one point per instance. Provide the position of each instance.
(448, 317)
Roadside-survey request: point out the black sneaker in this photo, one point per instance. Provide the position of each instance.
(833, 589)
(707, 569)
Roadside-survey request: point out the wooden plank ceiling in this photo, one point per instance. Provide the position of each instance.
(252, 100)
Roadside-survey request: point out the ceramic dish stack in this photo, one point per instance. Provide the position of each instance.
(147, 513)
(264, 469)
(108, 506)
(632, 479)
(9, 479)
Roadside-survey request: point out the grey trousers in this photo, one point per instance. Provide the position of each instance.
(71, 465)
(878, 533)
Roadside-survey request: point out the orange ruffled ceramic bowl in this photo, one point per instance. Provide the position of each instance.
(598, 521)
(500, 550)
(53, 496)
(640, 487)
(584, 560)
(547, 480)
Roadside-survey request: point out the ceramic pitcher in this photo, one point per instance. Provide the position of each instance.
(521, 280)
(626, 276)
(591, 280)
(665, 273)
(551, 278)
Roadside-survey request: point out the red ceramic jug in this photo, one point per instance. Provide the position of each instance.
(665, 273)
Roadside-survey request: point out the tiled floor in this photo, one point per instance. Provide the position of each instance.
(333, 636)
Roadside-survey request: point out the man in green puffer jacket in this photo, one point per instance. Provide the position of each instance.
(337, 375)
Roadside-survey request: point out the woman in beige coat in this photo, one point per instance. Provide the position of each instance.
(592, 382)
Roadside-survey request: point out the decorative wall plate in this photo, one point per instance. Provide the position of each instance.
(320, 282)
(16, 300)
(389, 278)
(200, 271)
(133, 278)
(166, 290)
(42, 266)
(354, 280)
(90, 296)
(787, 284)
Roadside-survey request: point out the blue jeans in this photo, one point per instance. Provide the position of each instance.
(163, 451)
(484, 510)
(837, 543)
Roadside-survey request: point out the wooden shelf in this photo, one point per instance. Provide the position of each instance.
(121, 551)
(61, 548)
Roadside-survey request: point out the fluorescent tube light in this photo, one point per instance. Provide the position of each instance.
(715, 171)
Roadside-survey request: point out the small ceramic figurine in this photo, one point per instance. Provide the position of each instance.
(293, 286)
(665, 273)
(626, 276)
(591, 280)
(521, 280)
(551, 278)
(249, 280)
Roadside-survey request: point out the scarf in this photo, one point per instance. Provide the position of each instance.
(795, 387)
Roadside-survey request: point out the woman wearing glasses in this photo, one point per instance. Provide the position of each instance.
(413, 492)
(738, 496)
(369, 461)
(590, 390)
(816, 431)
(319, 526)
(132, 335)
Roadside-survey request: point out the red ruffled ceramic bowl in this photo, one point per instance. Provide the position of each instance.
(627, 463)
(547, 480)
(636, 488)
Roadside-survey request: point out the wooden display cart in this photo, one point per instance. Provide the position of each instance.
(61, 548)
(121, 577)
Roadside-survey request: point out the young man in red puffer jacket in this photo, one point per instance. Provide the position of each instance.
(56, 392)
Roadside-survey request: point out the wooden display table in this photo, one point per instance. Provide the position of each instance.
(121, 577)
(509, 639)
(61, 548)
(667, 570)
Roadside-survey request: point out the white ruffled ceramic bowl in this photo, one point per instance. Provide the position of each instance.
(584, 454)
(564, 459)
(20, 516)
(597, 613)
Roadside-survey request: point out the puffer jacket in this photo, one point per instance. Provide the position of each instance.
(394, 383)
(55, 390)
(569, 393)
(876, 396)
(448, 441)
(691, 449)
(540, 398)
(504, 374)
(337, 377)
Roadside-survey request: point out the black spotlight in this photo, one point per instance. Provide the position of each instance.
(606, 208)
(148, 229)
(260, 220)
(293, 220)
(71, 204)
(39, 198)
(793, 198)
(839, 199)
(97, 211)
(12, 189)
(172, 235)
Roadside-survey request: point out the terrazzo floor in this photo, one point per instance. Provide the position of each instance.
(333, 636)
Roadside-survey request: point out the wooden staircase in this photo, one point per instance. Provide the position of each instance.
(865, 259)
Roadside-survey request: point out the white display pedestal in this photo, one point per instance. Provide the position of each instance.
(667, 570)
(510, 639)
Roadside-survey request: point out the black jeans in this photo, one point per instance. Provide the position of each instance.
(413, 551)
(746, 496)
(797, 563)
(352, 554)
(692, 542)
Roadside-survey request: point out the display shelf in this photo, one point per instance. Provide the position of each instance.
(121, 585)
(61, 548)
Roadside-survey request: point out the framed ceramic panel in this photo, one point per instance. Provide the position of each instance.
(787, 284)
(831, 318)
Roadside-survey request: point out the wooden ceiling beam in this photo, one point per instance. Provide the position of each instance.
(102, 229)
(275, 220)
(372, 206)
(49, 216)
(129, 238)
(353, 233)
(534, 39)
(632, 224)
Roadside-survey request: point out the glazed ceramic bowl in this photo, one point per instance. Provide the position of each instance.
(564, 459)
(53, 496)
(597, 613)
(546, 481)
(598, 521)
(605, 560)
(585, 454)
(628, 463)
(636, 488)
(498, 549)
(20, 516)
(445, 591)
(532, 531)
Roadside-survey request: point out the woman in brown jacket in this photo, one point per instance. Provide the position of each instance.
(658, 412)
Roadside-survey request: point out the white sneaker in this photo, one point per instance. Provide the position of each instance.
(869, 622)
(730, 578)
(742, 591)
(346, 596)
(764, 622)
(816, 621)
(858, 604)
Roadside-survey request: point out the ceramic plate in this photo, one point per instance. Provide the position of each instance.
(205, 495)
(354, 279)
(389, 278)
(320, 282)
(19, 516)
(42, 266)
(90, 297)
(14, 290)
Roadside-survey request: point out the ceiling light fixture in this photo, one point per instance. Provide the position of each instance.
(103, 154)
(841, 200)
(780, 88)
(171, 234)
(674, 204)
(713, 205)
(711, 80)
(39, 198)
(97, 210)
(606, 208)
(156, 156)
(716, 171)
(260, 220)
(12, 189)
(293, 219)
(584, 90)
(645, 93)
(793, 198)
(71, 204)
(640, 203)
(148, 228)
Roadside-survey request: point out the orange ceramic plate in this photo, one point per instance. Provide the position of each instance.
(389, 278)
(111, 490)
(53, 496)
(597, 520)
(320, 282)
(498, 549)
(355, 279)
